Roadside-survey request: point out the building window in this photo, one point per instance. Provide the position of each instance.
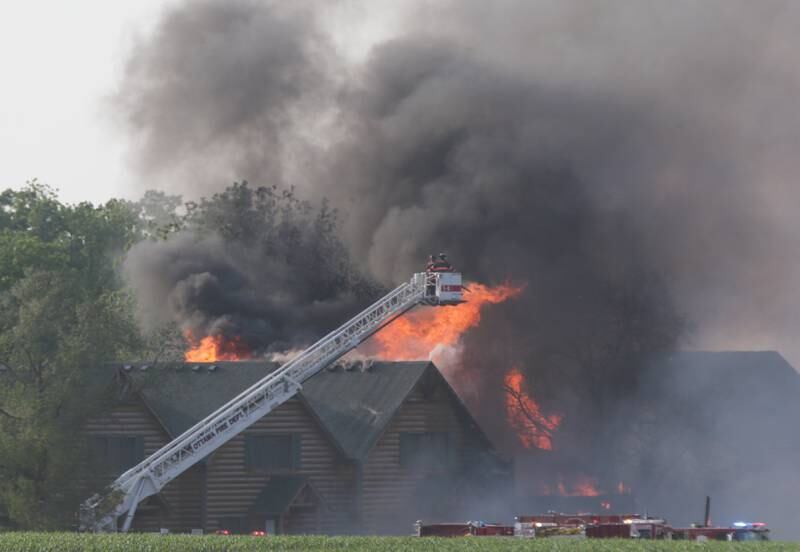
(116, 453)
(427, 452)
(272, 452)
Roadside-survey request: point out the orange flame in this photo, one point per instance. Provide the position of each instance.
(581, 486)
(585, 486)
(213, 348)
(414, 335)
(534, 429)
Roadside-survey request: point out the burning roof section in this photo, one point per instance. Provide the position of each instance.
(353, 405)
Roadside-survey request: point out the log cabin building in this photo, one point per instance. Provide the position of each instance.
(365, 447)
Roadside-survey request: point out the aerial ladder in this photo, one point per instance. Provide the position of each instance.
(439, 285)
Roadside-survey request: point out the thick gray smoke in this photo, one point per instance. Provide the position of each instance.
(675, 116)
(255, 266)
(632, 162)
(216, 75)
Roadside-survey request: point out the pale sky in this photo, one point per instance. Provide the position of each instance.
(59, 64)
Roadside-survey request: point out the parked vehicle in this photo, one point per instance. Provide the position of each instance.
(631, 528)
(466, 529)
(739, 531)
(591, 526)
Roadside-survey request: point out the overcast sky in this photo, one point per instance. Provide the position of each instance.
(59, 64)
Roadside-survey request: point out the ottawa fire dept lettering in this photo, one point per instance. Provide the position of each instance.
(203, 440)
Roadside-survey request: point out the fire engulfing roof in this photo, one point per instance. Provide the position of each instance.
(353, 406)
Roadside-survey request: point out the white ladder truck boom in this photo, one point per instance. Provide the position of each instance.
(438, 286)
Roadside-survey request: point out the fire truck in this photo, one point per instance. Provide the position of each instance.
(633, 526)
(466, 529)
(599, 526)
(630, 528)
(541, 526)
(739, 531)
(591, 526)
(558, 524)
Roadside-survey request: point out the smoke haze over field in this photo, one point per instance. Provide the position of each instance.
(632, 162)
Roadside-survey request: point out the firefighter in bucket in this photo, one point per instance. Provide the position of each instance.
(438, 264)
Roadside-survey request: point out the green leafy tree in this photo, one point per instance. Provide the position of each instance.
(64, 313)
(158, 213)
(277, 225)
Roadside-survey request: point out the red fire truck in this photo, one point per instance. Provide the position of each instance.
(576, 519)
(599, 526)
(631, 528)
(739, 531)
(592, 526)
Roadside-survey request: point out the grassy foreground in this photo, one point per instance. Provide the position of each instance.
(73, 542)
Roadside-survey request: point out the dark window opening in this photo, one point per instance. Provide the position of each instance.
(427, 452)
(272, 452)
(114, 454)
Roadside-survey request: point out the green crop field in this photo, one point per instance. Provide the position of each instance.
(73, 542)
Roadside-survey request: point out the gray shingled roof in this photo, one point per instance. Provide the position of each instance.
(356, 406)
(741, 363)
(353, 406)
(748, 371)
(180, 395)
(747, 384)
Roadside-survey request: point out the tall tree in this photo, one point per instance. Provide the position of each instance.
(65, 312)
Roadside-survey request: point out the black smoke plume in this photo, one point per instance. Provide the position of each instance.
(632, 162)
(254, 265)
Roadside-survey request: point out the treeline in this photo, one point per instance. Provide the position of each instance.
(66, 310)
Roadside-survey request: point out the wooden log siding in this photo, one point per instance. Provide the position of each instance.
(388, 501)
(232, 489)
(183, 495)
